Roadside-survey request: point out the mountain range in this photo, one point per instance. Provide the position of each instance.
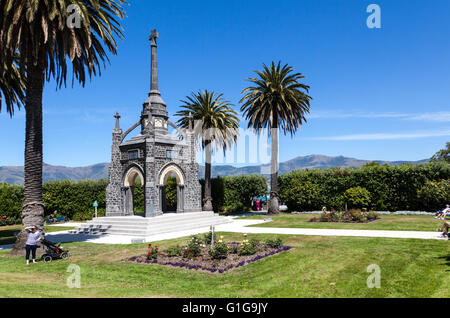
(14, 174)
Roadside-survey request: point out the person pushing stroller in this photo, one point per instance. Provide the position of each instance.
(34, 236)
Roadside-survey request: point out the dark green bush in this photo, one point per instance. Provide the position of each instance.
(219, 251)
(391, 187)
(357, 197)
(235, 193)
(435, 193)
(73, 199)
(11, 200)
(247, 248)
(276, 243)
(173, 251)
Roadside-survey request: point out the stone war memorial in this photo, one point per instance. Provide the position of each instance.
(153, 155)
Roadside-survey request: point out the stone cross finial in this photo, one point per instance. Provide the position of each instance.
(190, 120)
(153, 37)
(117, 116)
(154, 62)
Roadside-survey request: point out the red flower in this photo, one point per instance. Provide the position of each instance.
(156, 248)
(150, 244)
(148, 254)
(196, 258)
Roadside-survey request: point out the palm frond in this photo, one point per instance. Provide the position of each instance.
(40, 31)
(277, 100)
(214, 119)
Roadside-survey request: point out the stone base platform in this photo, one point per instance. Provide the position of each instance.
(142, 227)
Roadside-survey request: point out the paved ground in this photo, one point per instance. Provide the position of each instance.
(238, 226)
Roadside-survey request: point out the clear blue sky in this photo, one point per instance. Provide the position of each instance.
(378, 93)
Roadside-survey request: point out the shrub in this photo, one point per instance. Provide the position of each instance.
(357, 197)
(152, 252)
(247, 248)
(234, 193)
(5, 220)
(346, 216)
(219, 251)
(207, 238)
(276, 243)
(11, 200)
(233, 249)
(83, 216)
(173, 251)
(435, 194)
(390, 187)
(193, 248)
(255, 242)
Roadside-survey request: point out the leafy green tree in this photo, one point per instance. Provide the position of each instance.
(51, 36)
(435, 194)
(357, 197)
(442, 155)
(277, 101)
(215, 123)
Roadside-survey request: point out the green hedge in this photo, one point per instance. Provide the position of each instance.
(393, 188)
(390, 188)
(234, 193)
(73, 199)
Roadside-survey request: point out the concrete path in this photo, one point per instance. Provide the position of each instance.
(236, 226)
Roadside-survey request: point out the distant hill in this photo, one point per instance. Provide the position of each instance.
(299, 163)
(50, 173)
(14, 175)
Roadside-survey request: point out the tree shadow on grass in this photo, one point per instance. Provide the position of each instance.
(446, 260)
(8, 236)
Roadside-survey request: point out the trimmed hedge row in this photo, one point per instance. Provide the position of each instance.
(73, 199)
(423, 187)
(234, 193)
(406, 187)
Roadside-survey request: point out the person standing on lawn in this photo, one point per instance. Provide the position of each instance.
(34, 235)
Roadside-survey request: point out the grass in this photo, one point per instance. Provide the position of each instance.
(409, 268)
(7, 232)
(386, 222)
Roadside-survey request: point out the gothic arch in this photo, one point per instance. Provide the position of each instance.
(132, 173)
(166, 171)
(169, 169)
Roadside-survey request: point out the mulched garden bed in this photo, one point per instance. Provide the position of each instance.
(205, 263)
(318, 220)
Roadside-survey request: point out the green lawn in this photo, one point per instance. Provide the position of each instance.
(409, 268)
(386, 222)
(7, 232)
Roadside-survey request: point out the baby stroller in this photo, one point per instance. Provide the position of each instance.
(53, 251)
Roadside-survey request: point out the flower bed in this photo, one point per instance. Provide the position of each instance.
(346, 217)
(197, 255)
(4, 220)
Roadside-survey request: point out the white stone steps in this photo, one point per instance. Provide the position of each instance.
(139, 226)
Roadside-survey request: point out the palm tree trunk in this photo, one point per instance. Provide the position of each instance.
(207, 206)
(274, 205)
(33, 208)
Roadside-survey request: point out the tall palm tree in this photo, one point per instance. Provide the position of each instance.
(215, 122)
(277, 101)
(51, 36)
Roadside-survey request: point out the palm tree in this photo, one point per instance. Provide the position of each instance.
(215, 122)
(277, 101)
(12, 85)
(51, 36)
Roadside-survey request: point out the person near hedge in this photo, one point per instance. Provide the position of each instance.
(442, 214)
(34, 235)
